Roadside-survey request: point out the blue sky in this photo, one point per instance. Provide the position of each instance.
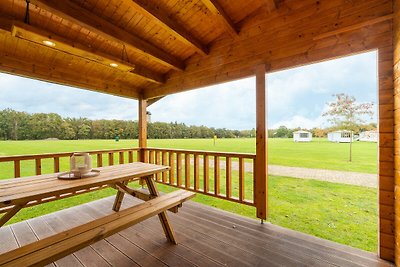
(296, 97)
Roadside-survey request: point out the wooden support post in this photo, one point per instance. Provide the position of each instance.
(142, 128)
(261, 171)
(385, 250)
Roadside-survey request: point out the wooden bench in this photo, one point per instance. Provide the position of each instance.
(62, 244)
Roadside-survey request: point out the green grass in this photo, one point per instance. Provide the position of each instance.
(341, 213)
(319, 154)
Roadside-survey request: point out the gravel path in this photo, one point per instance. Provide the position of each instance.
(343, 177)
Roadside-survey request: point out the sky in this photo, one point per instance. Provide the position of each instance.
(296, 97)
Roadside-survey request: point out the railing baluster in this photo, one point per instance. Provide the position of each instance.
(17, 168)
(196, 172)
(146, 156)
(241, 179)
(38, 166)
(172, 169)
(216, 175)
(206, 174)
(187, 170)
(130, 156)
(179, 169)
(254, 181)
(151, 156)
(56, 164)
(158, 175)
(110, 159)
(164, 162)
(228, 170)
(121, 157)
(99, 160)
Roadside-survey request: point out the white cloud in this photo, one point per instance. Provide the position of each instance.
(296, 97)
(301, 122)
(230, 105)
(33, 96)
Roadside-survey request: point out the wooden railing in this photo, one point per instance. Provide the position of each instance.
(223, 175)
(60, 162)
(132, 155)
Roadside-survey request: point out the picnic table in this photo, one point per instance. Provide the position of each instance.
(17, 193)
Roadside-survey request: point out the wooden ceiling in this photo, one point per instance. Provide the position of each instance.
(163, 47)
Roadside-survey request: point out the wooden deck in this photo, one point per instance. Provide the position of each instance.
(207, 237)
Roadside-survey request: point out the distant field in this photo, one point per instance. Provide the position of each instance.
(319, 154)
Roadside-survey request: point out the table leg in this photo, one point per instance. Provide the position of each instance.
(6, 217)
(118, 199)
(169, 232)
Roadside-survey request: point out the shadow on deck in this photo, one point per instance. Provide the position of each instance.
(206, 236)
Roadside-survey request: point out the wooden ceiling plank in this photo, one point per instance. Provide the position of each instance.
(88, 20)
(354, 27)
(21, 67)
(217, 9)
(271, 5)
(33, 34)
(171, 26)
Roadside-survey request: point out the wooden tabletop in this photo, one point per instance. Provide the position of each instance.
(21, 190)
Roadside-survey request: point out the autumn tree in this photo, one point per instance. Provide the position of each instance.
(346, 113)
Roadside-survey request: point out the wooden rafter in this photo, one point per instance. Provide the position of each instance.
(217, 9)
(86, 19)
(33, 34)
(21, 67)
(153, 100)
(171, 26)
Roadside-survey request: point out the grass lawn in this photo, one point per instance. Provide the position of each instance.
(341, 213)
(319, 154)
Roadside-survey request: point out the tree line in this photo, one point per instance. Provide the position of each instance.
(284, 132)
(17, 125)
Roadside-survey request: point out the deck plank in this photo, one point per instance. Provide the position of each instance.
(170, 254)
(101, 251)
(314, 247)
(133, 252)
(24, 235)
(206, 237)
(43, 229)
(8, 241)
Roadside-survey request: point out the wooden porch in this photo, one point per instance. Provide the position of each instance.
(207, 237)
(147, 50)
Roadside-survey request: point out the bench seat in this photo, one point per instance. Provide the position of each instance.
(62, 244)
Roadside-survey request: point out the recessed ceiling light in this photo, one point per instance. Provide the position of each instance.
(114, 65)
(49, 43)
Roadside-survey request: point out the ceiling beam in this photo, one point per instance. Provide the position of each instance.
(151, 101)
(217, 10)
(84, 18)
(22, 67)
(33, 34)
(170, 25)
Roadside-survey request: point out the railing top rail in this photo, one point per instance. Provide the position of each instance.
(61, 154)
(205, 152)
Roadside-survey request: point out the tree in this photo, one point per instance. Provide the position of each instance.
(346, 114)
(283, 132)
